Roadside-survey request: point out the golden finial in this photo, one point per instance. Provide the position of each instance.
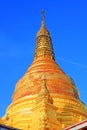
(43, 17)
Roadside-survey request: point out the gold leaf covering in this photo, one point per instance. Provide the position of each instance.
(50, 103)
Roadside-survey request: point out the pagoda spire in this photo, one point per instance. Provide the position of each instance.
(44, 46)
(43, 18)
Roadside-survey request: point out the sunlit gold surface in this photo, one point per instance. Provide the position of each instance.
(50, 103)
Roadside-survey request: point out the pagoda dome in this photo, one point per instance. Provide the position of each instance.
(57, 81)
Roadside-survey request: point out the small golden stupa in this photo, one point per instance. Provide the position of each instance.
(45, 98)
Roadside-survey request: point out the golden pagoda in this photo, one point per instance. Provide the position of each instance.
(45, 98)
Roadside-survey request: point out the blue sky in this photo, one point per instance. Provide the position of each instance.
(19, 22)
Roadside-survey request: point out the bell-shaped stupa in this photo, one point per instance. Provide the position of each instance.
(45, 98)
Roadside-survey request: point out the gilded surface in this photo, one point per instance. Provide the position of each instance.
(49, 102)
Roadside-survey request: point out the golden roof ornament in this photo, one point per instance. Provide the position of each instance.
(43, 17)
(43, 30)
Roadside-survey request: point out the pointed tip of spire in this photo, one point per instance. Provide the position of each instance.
(43, 21)
(43, 30)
